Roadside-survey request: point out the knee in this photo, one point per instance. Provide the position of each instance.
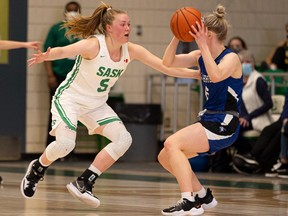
(169, 145)
(125, 140)
(59, 148)
(161, 156)
(117, 148)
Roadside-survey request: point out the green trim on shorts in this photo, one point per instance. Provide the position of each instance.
(59, 92)
(108, 120)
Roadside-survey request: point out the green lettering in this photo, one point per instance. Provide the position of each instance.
(114, 73)
(103, 85)
(107, 73)
(100, 71)
(119, 73)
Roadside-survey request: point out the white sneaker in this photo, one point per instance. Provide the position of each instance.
(82, 190)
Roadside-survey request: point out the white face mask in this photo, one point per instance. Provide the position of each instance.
(71, 14)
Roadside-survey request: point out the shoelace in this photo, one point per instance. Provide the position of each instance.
(179, 203)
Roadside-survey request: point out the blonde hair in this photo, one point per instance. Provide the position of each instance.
(217, 23)
(84, 26)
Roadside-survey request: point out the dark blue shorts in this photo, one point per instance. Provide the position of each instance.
(220, 134)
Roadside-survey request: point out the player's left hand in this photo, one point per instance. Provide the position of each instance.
(39, 57)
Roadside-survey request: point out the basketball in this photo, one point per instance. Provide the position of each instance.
(181, 22)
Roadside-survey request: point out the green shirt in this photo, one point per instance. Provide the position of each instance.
(56, 38)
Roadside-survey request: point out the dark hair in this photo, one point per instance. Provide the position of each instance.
(71, 3)
(240, 39)
(84, 26)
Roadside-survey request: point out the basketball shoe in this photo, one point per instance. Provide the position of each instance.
(278, 167)
(208, 201)
(82, 190)
(185, 207)
(283, 174)
(30, 180)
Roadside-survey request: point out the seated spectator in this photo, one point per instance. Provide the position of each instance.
(280, 169)
(254, 112)
(266, 150)
(256, 101)
(278, 59)
(237, 44)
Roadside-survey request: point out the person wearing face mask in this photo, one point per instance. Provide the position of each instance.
(256, 101)
(57, 70)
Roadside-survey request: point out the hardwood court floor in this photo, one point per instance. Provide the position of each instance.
(137, 189)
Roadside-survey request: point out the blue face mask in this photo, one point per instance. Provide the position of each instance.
(247, 69)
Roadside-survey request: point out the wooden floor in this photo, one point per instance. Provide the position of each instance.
(137, 189)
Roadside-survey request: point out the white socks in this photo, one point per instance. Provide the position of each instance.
(188, 196)
(95, 170)
(201, 193)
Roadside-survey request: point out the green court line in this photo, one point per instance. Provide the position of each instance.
(218, 183)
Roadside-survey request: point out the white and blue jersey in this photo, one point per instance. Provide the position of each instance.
(220, 116)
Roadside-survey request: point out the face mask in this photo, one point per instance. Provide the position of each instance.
(71, 14)
(247, 69)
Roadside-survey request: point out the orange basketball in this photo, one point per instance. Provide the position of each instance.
(181, 22)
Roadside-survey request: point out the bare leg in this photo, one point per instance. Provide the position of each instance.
(103, 161)
(163, 159)
(174, 156)
(113, 131)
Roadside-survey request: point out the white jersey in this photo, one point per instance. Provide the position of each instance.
(94, 78)
(83, 94)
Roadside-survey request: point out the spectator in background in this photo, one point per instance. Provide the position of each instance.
(278, 59)
(266, 150)
(237, 44)
(256, 101)
(58, 69)
(280, 169)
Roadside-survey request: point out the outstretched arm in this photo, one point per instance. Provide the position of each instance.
(7, 44)
(87, 48)
(143, 55)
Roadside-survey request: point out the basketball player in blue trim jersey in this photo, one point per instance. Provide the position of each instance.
(218, 126)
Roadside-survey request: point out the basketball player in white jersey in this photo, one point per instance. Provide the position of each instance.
(102, 57)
